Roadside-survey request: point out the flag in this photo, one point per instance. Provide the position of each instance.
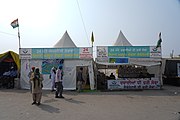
(92, 38)
(15, 23)
(159, 41)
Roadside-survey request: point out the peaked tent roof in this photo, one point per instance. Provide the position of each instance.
(122, 41)
(65, 42)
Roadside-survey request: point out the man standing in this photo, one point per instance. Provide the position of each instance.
(36, 80)
(52, 77)
(58, 82)
(29, 75)
(80, 80)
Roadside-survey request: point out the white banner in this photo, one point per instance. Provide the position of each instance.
(85, 53)
(154, 83)
(25, 53)
(102, 51)
(155, 52)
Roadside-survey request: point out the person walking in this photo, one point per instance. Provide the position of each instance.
(29, 75)
(80, 80)
(59, 83)
(36, 81)
(53, 77)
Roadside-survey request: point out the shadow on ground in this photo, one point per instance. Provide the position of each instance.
(49, 108)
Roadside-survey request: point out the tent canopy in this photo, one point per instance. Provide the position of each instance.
(121, 40)
(65, 42)
(10, 56)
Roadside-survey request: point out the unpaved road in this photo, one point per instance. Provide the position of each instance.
(122, 105)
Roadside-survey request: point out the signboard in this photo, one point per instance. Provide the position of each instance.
(129, 51)
(124, 84)
(154, 83)
(86, 53)
(119, 60)
(102, 51)
(155, 52)
(56, 53)
(111, 52)
(25, 53)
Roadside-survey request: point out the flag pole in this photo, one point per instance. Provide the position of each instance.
(15, 24)
(18, 76)
(19, 37)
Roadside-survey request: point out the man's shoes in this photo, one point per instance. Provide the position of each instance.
(53, 90)
(61, 97)
(33, 103)
(38, 103)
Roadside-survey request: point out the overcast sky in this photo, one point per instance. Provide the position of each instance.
(43, 22)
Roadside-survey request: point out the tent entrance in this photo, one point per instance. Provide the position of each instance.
(85, 74)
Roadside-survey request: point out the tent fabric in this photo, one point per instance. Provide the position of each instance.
(3, 56)
(69, 78)
(122, 41)
(14, 55)
(145, 61)
(65, 42)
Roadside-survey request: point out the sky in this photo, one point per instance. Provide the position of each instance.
(42, 23)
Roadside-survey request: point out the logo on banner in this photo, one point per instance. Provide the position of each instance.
(25, 53)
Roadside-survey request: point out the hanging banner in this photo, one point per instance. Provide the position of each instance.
(111, 52)
(48, 64)
(134, 84)
(25, 53)
(86, 53)
(56, 53)
(102, 54)
(102, 51)
(128, 51)
(155, 52)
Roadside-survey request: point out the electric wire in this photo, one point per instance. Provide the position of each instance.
(7, 33)
(83, 22)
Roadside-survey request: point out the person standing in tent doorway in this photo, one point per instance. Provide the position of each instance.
(29, 75)
(59, 82)
(80, 80)
(52, 77)
(112, 76)
(36, 80)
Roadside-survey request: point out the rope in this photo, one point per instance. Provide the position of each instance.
(83, 21)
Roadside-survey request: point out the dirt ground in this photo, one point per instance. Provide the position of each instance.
(162, 104)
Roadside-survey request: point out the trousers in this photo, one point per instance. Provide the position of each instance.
(59, 89)
(36, 97)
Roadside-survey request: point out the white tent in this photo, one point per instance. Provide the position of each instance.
(70, 65)
(121, 40)
(65, 42)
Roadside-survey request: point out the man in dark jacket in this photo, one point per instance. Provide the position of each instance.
(80, 80)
